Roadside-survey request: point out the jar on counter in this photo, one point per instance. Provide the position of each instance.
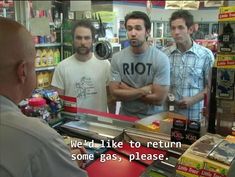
(37, 108)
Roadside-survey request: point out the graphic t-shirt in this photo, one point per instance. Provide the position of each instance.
(86, 81)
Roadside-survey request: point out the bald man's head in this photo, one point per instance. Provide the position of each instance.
(16, 43)
(17, 55)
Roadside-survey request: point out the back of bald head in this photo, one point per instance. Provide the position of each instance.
(16, 44)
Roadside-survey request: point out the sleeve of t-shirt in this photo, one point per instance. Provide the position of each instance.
(162, 74)
(115, 74)
(107, 73)
(54, 160)
(58, 77)
(209, 62)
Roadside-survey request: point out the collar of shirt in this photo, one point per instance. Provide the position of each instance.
(193, 49)
(7, 105)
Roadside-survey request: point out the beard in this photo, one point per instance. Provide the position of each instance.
(136, 43)
(83, 50)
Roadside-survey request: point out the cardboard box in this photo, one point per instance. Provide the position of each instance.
(164, 119)
(178, 135)
(213, 168)
(190, 165)
(191, 136)
(148, 123)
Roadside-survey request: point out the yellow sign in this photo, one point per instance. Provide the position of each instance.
(107, 16)
(227, 13)
(225, 61)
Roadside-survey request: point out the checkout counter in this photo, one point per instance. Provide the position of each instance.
(115, 143)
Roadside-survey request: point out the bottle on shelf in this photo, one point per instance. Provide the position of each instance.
(38, 58)
(40, 80)
(50, 57)
(56, 56)
(44, 58)
(46, 79)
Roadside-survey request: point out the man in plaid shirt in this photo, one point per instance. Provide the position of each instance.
(190, 65)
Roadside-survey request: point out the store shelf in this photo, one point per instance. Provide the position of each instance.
(46, 68)
(67, 44)
(48, 45)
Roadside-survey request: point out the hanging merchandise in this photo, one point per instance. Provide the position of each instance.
(227, 38)
(189, 5)
(222, 117)
(225, 84)
(215, 3)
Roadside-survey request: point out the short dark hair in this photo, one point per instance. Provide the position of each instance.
(184, 14)
(139, 15)
(86, 23)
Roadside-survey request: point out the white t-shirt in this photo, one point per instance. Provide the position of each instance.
(86, 81)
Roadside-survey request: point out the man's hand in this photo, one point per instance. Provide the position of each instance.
(186, 102)
(147, 89)
(81, 150)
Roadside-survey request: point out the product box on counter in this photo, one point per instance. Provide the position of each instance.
(209, 156)
(162, 122)
(178, 135)
(213, 168)
(191, 165)
(191, 136)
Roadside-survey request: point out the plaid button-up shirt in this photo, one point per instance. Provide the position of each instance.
(189, 75)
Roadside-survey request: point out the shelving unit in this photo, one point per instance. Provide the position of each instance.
(45, 72)
(222, 116)
(48, 45)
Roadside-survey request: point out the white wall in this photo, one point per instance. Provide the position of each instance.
(160, 14)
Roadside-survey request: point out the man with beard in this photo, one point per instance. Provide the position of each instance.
(140, 74)
(82, 75)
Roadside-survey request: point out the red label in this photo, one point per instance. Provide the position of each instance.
(227, 15)
(187, 169)
(193, 171)
(182, 168)
(206, 173)
(225, 63)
